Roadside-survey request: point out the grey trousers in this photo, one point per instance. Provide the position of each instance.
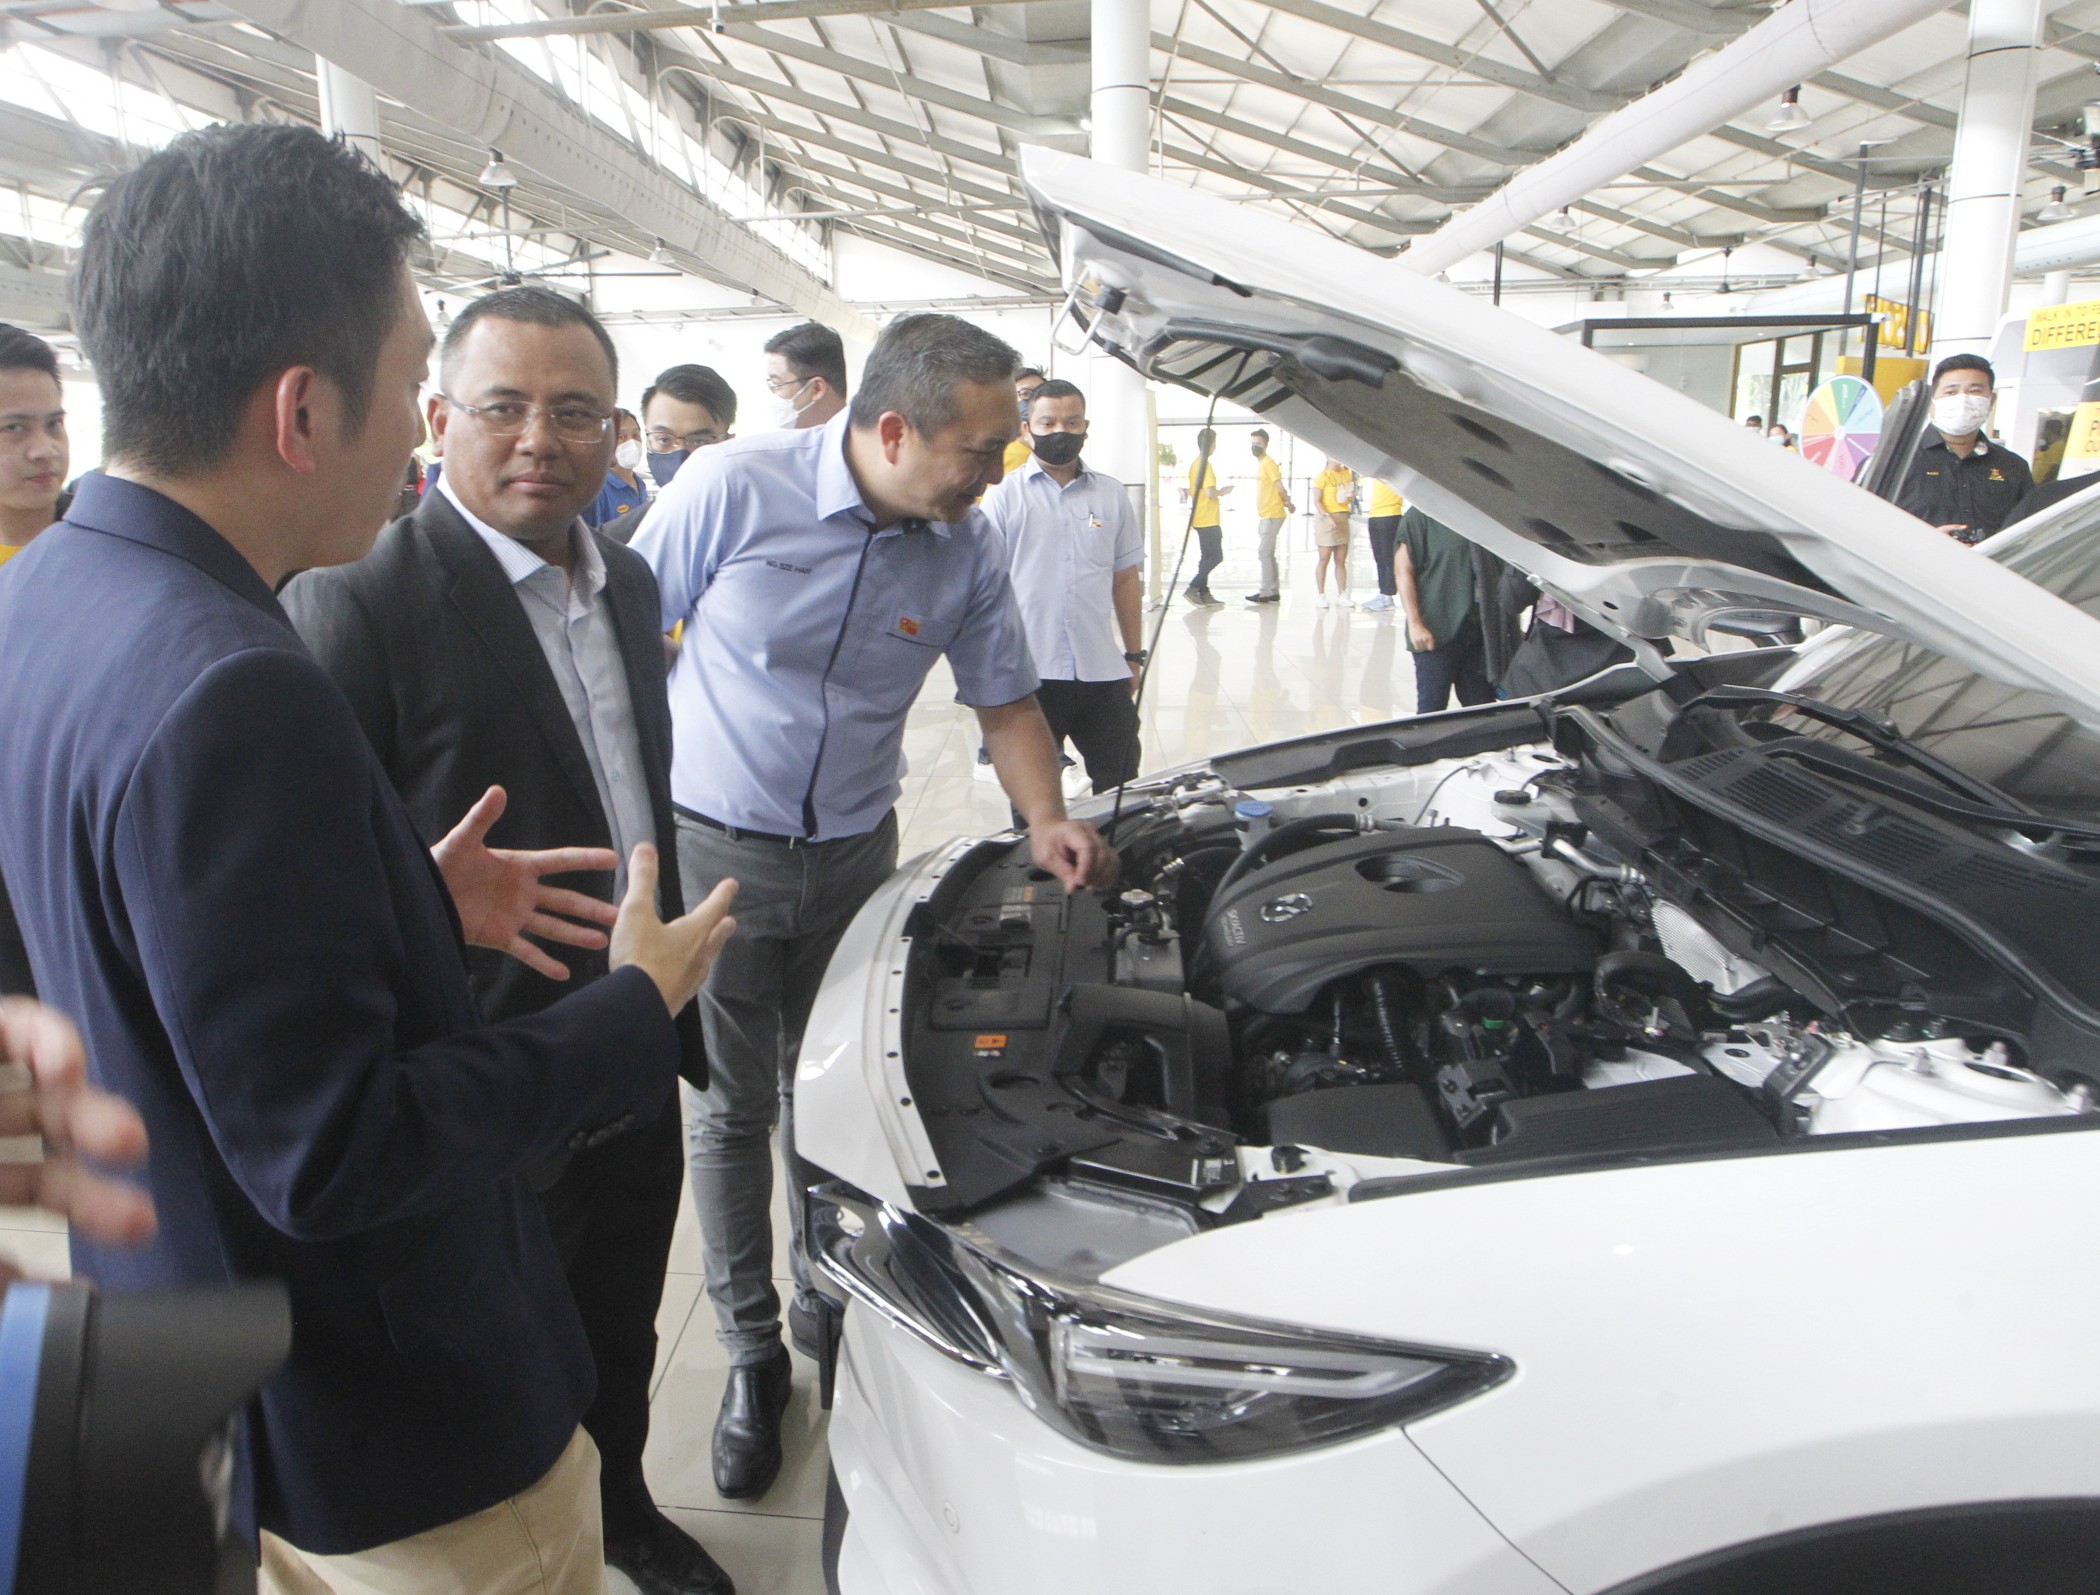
(792, 906)
(1265, 549)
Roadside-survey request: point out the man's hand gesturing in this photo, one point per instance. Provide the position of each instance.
(676, 955)
(44, 1093)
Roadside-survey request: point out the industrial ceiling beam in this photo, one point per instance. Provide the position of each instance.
(987, 41)
(1028, 282)
(1340, 160)
(749, 11)
(996, 160)
(1552, 90)
(34, 299)
(1346, 104)
(1181, 154)
(489, 98)
(1035, 128)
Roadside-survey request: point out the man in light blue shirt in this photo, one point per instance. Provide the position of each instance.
(1074, 553)
(820, 572)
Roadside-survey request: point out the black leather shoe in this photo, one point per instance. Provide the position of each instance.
(747, 1433)
(665, 1560)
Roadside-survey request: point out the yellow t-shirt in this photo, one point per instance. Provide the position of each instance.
(1336, 490)
(1017, 454)
(8, 552)
(1384, 501)
(1206, 503)
(1268, 501)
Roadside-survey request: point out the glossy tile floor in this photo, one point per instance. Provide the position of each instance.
(1222, 678)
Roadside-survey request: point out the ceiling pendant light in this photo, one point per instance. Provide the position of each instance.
(661, 255)
(1561, 222)
(2056, 210)
(497, 174)
(1726, 287)
(1789, 118)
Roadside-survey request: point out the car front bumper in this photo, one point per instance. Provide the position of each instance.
(954, 1488)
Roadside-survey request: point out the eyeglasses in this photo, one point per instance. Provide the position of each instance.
(661, 442)
(780, 387)
(508, 418)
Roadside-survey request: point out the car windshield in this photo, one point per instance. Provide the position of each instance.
(2018, 741)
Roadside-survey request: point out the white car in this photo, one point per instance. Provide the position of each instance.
(1634, 1139)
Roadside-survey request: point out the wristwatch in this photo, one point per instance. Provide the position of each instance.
(1137, 658)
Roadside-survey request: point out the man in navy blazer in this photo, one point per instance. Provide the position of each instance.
(215, 878)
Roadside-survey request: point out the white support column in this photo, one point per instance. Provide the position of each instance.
(349, 107)
(1120, 437)
(1988, 172)
(2056, 287)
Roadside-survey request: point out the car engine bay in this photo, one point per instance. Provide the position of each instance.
(1437, 965)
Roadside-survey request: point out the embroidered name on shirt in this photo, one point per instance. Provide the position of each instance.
(793, 570)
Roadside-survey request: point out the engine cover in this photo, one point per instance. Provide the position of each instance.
(1434, 899)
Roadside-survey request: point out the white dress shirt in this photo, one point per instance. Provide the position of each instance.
(574, 625)
(1064, 544)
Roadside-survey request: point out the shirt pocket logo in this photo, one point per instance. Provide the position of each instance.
(924, 631)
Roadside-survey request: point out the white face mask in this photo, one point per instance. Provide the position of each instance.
(1959, 414)
(628, 456)
(787, 414)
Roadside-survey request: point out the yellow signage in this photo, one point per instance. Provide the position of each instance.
(2082, 446)
(1895, 322)
(2064, 326)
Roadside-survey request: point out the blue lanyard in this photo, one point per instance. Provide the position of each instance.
(22, 1318)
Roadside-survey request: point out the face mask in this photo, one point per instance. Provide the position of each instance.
(629, 454)
(1057, 448)
(665, 466)
(1959, 414)
(787, 414)
(1259, 450)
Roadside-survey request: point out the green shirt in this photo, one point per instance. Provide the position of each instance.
(1443, 567)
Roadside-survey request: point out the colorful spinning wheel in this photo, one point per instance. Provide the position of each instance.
(1841, 426)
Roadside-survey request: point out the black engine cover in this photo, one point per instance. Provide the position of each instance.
(1434, 899)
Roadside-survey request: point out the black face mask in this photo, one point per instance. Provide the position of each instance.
(665, 466)
(1260, 449)
(1057, 448)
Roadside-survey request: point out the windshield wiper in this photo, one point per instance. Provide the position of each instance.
(1985, 804)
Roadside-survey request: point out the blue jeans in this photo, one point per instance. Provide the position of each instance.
(792, 906)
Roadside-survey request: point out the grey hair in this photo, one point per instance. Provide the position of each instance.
(918, 363)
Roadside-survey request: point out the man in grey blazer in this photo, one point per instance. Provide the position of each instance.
(491, 639)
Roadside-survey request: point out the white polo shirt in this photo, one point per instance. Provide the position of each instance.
(1064, 545)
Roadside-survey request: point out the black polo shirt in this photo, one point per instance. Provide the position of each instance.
(1979, 492)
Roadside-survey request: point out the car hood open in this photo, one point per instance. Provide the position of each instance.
(1649, 515)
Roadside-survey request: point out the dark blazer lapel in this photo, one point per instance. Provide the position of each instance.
(636, 624)
(490, 605)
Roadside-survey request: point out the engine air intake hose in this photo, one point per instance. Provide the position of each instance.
(1264, 846)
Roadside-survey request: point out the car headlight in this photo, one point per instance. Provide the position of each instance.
(1129, 1375)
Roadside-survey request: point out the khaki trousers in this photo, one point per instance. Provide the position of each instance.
(546, 1540)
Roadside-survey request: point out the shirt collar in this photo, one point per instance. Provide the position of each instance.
(1033, 467)
(521, 564)
(838, 494)
(1982, 445)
